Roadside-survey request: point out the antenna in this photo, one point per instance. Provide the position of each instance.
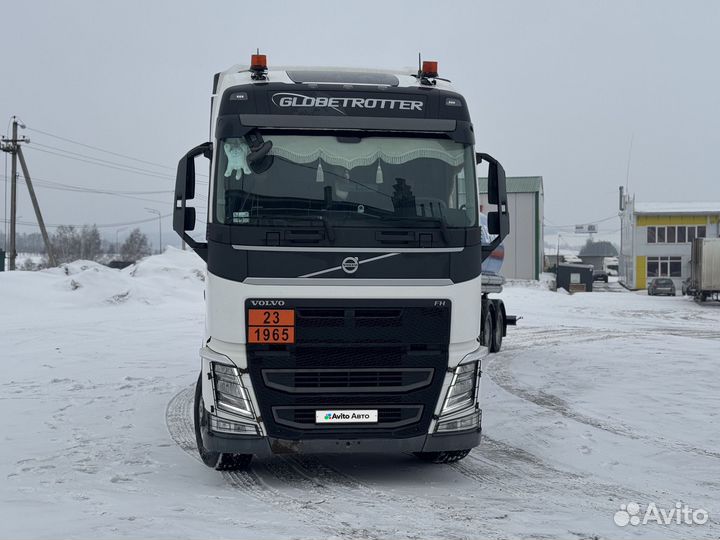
(419, 62)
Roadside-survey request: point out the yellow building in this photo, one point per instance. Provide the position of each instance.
(656, 239)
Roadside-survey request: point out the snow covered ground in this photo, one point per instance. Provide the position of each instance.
(596, 400)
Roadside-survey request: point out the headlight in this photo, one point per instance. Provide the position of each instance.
(230, 394)
(462, 389)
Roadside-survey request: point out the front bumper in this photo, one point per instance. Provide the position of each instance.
(266, 446)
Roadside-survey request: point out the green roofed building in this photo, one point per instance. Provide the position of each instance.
(524, 245)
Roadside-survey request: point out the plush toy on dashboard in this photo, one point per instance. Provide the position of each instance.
(236, 151)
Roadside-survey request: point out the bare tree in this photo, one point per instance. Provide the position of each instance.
(70, 243)
(135, 246)
(90, 243)
(66, 244)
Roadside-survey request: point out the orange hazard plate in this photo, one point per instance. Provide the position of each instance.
(271, 334)
(271, 317)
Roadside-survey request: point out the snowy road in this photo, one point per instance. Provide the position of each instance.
(597, 400)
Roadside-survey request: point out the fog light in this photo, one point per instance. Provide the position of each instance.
(221, 425)
(460, 424)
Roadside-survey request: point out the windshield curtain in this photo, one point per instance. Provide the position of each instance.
(379, 181)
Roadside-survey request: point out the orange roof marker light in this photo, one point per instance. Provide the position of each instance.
(258, 62)
(258, 66)
(429, 68)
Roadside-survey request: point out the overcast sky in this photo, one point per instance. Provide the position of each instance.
(556, 89)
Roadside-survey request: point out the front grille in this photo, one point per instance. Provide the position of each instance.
(347, 380)
(388, 355)
(388, 417)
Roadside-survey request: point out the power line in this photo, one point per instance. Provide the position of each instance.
(108, 191)
(104, 225)
(106, 151)
(100, 226)
(98, 148)
(100, 160)
(49, 184)
(43, 185)
(72, 187)
(93, 161)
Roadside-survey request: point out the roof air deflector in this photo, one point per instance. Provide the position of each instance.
(343, 77)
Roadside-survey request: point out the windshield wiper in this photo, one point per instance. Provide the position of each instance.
(416, 220)
(307, 217)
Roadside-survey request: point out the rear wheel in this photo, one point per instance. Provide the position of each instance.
(448, 456)
(498, 328)
(487, 330)
(217, 460)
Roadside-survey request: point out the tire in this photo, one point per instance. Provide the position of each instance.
(216, 460)
(488, 328)
(498, 327)
(447, 456)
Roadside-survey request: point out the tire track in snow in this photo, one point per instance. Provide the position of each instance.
(445, 512)
(179, 421)
(316, 486)
(310, 505)
(499, 372)
(526, 478)
(533, 337)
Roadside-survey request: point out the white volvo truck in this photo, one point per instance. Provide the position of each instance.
(345, 305)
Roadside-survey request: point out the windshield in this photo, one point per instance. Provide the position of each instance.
(351, 181)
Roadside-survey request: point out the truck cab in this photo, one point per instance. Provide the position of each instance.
(344, 295)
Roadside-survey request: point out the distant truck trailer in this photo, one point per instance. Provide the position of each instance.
(705, 269)
(611, 266)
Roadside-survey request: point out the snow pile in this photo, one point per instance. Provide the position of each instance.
(174, 275)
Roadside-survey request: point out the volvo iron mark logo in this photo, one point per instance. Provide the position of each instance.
(350, 265)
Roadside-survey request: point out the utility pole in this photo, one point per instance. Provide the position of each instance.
(36, 207)
(557, 256)
(13, 147)
(117, 239)
(159, 215)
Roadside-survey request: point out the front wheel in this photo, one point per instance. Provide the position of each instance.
(448, 456)
(217, 460)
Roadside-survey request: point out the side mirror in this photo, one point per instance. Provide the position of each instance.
(497, 190)
(190, 219)
(498, 221)
(183, 216)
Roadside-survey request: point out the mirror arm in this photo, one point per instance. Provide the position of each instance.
(185, 181)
